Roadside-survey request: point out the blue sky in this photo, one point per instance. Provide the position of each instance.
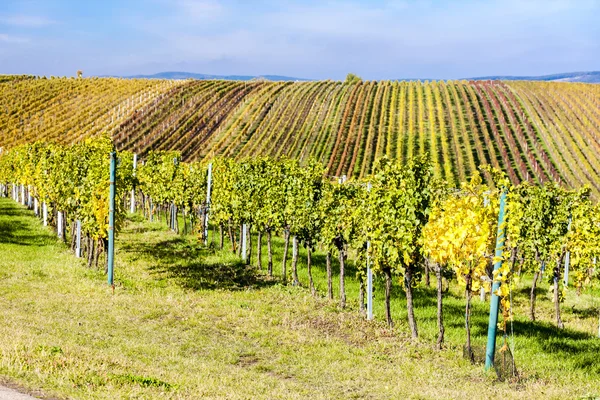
(310, 39)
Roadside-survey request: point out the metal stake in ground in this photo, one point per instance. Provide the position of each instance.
(132, 209)
(45, 213)
(568, 257)
(78, 239)
(244, 243)
(111, 219)
(495, 300)
(59, 224)
(208, 188)
(369, 277)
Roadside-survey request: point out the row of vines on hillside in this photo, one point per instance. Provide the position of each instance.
(402, 217)
(411, 220)
(69, 186)
(534, 131)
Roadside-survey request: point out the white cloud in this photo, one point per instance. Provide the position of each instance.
(6, 38)
(26, 21)
(200, 9)
(385, 39)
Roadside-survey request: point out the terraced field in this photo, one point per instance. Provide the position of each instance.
(536, 131)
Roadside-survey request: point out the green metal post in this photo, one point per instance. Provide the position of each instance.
(495, 300)
(111, 219)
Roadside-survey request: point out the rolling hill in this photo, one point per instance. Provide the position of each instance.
(585, 77)
(192, 75)
(535, 131)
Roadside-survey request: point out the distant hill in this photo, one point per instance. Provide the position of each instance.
(587, 77)
(191, 75)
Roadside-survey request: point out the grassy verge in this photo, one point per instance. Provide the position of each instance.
(185, 322)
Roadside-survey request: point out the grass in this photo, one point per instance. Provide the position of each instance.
(187, 322)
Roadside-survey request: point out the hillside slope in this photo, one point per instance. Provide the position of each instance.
(585, 76)
(534, 130)
(192, 75)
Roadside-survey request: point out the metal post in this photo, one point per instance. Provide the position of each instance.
(172, 223)
(567, 262)
(208, 189)
(244, 242)
(542, 269)
(59, 224)
(175, 211)
(495, 300)
(45, 213)
(78, 239)
(369, 277)
(111, 219)
(568, 257)
(132, 209)
(369, 286)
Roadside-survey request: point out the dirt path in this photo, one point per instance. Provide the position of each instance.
(10, 394)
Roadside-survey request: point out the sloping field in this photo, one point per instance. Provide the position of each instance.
(533, 130)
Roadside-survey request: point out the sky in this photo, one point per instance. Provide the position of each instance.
(426, 39)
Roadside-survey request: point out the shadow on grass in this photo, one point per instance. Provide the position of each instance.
(588, 312)
(195, 267)
(578, 349)
(14, 231)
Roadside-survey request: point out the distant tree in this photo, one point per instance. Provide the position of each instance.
(352, 78)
